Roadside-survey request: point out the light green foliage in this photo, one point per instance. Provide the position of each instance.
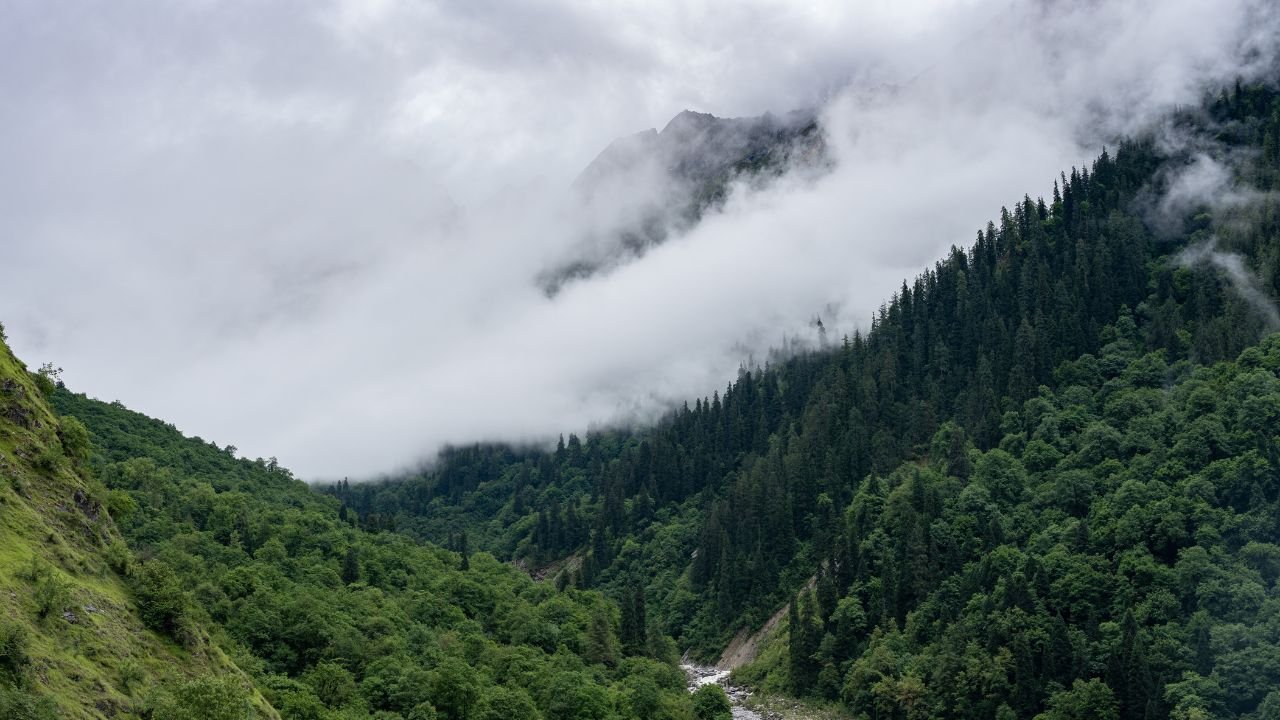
(710, 703)
(336, 621)
(51, 593)
(75, 438)
(1086, 700)
(503, 703)
(206, 698)
(71, 645)
(162, 602)
(15, 704)
(131, 675)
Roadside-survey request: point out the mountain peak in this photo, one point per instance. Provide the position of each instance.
(690, 120)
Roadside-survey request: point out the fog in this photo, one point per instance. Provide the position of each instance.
(314, 230)
(1208, 183)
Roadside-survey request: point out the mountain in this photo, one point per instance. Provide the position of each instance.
(1043, 484)
(329, 619)
(86, 629)
(646, 187)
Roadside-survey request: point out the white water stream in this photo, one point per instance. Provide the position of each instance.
(700, 675)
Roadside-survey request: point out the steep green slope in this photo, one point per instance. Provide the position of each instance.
(333, 621)
(72, 641)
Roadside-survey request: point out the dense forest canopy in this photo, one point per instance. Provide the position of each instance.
(1018, 419)
(332, 621)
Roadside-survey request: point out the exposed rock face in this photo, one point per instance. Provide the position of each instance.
(644, 188)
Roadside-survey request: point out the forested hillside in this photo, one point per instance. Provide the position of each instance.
(331, 621)
(85, 629)
(1071, 330)
(1114, 556)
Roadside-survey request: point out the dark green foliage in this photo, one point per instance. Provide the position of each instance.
(635, 623)
(745, 469)
(351, 566)
(13, 654)
(1148, 590)
(16, 699)
(503, 703)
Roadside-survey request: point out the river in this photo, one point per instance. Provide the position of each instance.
(700, 675)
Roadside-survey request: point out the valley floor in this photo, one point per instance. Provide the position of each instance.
(748, 705)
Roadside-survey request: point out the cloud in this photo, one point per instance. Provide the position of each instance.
(1205, 183)
(1241, 280)
(313, 231)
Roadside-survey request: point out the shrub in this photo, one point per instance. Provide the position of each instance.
(205, 698)
(74, 437)
(17, 704)
(710, 703)
(161, 601)
(47, 459)
(120, 504)
(52, 595)
(50, 591)
(332, 683)
(119, 557)
(131, 674)
(13, 653)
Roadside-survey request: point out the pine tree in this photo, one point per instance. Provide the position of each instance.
(351, 566)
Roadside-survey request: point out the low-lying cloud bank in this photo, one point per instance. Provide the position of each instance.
(314, 233)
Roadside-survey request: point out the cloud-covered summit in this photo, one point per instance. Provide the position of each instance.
(646, 187)
(312, 230)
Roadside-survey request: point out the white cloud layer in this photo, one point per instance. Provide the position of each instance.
(312, 230)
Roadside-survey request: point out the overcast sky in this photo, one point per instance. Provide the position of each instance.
(312, 229)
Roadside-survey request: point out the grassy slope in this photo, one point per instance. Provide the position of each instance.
(105, 663)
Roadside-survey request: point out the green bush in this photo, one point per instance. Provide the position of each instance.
(131, 674)
(74, 437)
(119, 557)
(161, 601)
(206, 698)
(47, 459)
(710, 703)
(17, 704)
(50, 591)
(332, 683)
(13, 653)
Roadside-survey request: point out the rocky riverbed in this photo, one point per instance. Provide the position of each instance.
(700, 675)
